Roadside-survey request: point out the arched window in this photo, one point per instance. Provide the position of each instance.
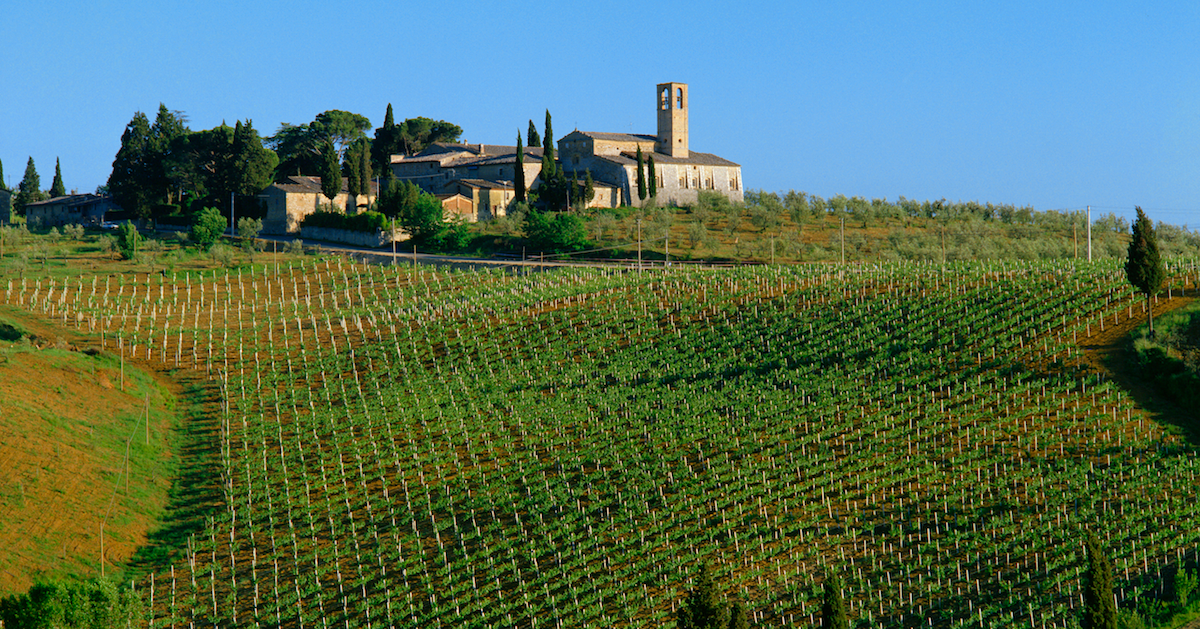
(665, 98)
(679, 98)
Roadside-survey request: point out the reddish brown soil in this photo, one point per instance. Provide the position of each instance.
(59, 417)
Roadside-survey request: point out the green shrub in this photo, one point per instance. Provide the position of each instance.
(362, 222)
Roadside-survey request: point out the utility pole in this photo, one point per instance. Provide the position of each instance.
(843, 244)
(1089, 232)
(668, 249)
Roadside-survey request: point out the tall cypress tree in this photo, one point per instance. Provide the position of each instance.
(364, 170)
(1143, 266)
(1099, 606)
(129, 183)
(57, 189)
(3, 186)
(353, 176)
(650, 172)
(737, 617)
(386, 143)
(519, 171)
(548, 141)
(331, 175)
(641, 175)
(531, 136)
(833, 606)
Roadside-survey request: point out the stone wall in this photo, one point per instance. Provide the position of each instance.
(358, 239)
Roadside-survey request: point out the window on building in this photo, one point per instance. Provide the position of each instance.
(679, 98)
(682, 179)
(665, 99)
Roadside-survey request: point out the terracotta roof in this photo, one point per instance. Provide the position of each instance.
(300, 185)
(694, 158)
(618, 137)
(485, 183)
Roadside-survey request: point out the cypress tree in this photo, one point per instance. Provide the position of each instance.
(651, 172)
(531, 136)
(1099, 606)
(353, 177)
(703, 608)
(1143, 265)
(519, 171)
(3, 186)
(29, 190)
(833, 607)
(548, 141)
(589, 188)
(641, 175)
(57, 189)
(331, 175)
(364, 170)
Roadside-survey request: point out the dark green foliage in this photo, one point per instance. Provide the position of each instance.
(704, 607)
(397, 196)
(207, 228)
(364, 168)
(1143, 265)
(386, 143)
(3, 186)
(301, 148)
(331, 175)
(531, 136)
(129, 242)
(29, 190)
(57, 189)
(1099, 606)
(833, 606)
(548, 141)
(641, 175)
(362, 222)
(519, 172)
(418, 133)
(95, 603)
(652, 185)
(352, 172)
(737, 617)
(1171, 358)
(252, 164)
(127, 183)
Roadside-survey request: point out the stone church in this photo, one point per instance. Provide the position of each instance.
(680, 173)
(484, 173)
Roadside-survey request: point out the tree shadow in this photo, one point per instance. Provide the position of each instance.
(195, 493)
(1123, 366)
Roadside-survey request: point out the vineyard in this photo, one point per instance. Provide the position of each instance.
(421, 447)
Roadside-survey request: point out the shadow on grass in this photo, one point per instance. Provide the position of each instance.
(1123, 365)
(195, 493)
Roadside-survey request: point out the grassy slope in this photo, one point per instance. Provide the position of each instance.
(65, 419)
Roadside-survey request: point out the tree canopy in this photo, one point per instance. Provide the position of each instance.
(57, 189)
(331, 174)
(418, 133)
(301, 147)
(1099, 606)
(30, 188)
(1144, 266)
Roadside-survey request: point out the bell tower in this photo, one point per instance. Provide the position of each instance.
(673, 119)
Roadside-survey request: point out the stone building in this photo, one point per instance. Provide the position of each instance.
(484, 173)
(680, 173)
(289, 202)
(82, 209)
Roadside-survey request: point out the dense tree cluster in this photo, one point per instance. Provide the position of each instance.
(95, 603)
(166, 163)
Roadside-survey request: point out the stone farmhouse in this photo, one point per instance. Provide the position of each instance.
(484, 173)
(289, 202)
(84, 209)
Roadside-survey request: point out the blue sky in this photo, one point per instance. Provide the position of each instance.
(1055, 105)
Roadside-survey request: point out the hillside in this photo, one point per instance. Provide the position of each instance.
(416, 447)
(66, 418)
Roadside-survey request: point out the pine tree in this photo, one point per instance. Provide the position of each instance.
(651, 172)
(531, 136)
(57, 189)
(703, 608)
(833, 607)
(128, 183)
(641, 175)
(331, 175)
(1099, 606)
(519, 171)
(1143, 265)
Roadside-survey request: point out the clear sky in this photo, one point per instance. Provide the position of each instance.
(1051, 104)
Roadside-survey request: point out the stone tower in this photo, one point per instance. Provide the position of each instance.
(673, 119)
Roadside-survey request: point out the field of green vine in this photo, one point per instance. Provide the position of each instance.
(418, 447)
